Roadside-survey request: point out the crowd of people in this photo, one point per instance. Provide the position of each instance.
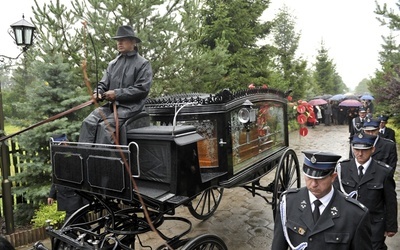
(349, 204)
(333, 114)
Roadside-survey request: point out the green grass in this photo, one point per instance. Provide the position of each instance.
(10, 129)
(396, 130)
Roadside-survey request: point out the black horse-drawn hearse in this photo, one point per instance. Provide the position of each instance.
(182, 150)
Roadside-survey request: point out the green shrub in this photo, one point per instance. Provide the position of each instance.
(293, 125)
(46, 212)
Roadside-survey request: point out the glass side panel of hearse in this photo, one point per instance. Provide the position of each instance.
(257, 131)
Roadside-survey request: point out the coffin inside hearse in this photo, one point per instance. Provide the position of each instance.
(240, 130)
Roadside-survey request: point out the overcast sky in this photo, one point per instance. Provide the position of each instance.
(348, 28)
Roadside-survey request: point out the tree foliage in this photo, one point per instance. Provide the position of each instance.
(385, 86)
(236, 25)
(326, 76)
(286, 41)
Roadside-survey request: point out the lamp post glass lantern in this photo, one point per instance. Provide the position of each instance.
(23, 32)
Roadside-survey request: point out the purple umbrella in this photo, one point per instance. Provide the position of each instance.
(317, 102)
(350, 103)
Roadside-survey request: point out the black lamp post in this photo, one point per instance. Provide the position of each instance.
(23, 35)
(22, 32)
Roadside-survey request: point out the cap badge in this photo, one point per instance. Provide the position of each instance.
(313, 160)
(360, 136)
(368, 120)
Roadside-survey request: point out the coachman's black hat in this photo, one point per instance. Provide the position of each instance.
(318, 165)
(126, 31)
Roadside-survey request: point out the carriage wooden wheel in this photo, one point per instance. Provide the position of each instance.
(206, 203)
(287, 176)
(205, 242)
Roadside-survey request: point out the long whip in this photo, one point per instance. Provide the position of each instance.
(80, 106)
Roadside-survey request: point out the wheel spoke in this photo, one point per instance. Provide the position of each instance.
(205, 204)
(286, 176)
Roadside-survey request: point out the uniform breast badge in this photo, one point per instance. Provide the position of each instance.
(303, 204)
(334, 211)
(301, 231)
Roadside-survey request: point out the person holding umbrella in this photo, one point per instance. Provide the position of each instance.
(328, 113)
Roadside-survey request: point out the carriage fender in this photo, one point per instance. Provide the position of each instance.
(189, 138)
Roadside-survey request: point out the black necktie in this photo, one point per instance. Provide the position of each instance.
(361, 174)
(315, 213)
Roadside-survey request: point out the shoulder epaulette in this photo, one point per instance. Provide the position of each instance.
(383, 164)
(291, 190)
(387, 139)
(356, 202)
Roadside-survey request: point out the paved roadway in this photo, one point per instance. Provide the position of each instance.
(245, 222)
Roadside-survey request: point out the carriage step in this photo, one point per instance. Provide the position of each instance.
(205, 177)
(178, 200)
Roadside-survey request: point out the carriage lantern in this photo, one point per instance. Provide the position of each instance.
(247, 114)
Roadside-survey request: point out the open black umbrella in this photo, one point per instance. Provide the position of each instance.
(326, 96)
(337, 97)
(350, 97)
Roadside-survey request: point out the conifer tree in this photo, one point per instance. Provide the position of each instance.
(237, 24)
(324, 73)
(292, 69)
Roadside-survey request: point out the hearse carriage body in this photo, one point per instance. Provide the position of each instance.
(182, 149)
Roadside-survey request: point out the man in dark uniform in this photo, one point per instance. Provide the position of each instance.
(343, 223)
(385, 149)
(384, 131)
(357, 122)
(372, 183)
(356, 125)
